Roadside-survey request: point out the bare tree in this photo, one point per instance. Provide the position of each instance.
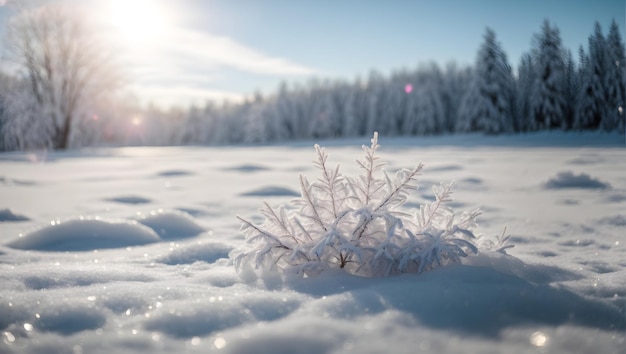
(62, 64)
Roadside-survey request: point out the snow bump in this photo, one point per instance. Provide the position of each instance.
(85, 235)
(271, 191)
(171, 225)
(197, 252)
(70, 319)
(8, 215)
(174, 173)
(568, 179)
(130, 199)
(247, 168)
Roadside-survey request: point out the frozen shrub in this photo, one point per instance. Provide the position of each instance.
(357, 224)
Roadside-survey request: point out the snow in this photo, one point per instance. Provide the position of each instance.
(271, 191)
(171, 224)
(8, 215)
(85, 235)
(130, 199)
(95, 272)
(568, 179)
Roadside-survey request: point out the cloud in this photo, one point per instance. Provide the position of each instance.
(181, 49)
(183, 66)
(224, 51)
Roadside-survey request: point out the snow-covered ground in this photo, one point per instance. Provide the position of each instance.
(126, 250)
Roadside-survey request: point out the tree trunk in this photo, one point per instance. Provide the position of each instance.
(64, 135)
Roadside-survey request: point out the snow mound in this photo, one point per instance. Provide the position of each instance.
(271, 191)
(130, 199)
(8, 215)
(217, 313)
(13, 313)
(70, 319)
(470, 299)
(86, 235)
(197, 252)
(15, 182)
(616, 198)
(247, 168)
(192, 211)
(59, 277)
(174, 173)
(171, 225)
(615, 220)
(568, 179)
(445, 168)
(587, 160)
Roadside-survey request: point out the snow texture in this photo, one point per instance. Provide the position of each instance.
(8, 215)
(84, 235)
(171, 224)
(568, 179)
(130, 199)
(110, 284)
(271, 191)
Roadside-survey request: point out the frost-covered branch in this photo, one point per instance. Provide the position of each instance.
(358, 224)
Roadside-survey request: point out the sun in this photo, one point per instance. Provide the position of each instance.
(137, 20)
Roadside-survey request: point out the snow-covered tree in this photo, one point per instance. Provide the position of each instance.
(570, 84)
(356, 118)
(524, 91)
(284, 112)
(455, 83)
(324, 116)
(598, 65)
(548, 98)
(488, 105)
(615, 81)
(255, 127)
(63, 64)
(379, 101)
(428, 110)
(586, 103)
(22, 126)
(396, 109)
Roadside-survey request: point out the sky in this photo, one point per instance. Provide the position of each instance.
(184, 52)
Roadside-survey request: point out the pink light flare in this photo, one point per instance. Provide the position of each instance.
(408, 88)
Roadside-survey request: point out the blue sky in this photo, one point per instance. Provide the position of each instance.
(226, 49)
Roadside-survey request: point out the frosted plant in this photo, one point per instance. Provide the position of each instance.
(357, 224)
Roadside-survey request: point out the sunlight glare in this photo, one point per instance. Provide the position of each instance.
(538, 339)
(219, 343)
(137, 20)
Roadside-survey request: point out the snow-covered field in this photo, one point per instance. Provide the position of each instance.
(126, 250)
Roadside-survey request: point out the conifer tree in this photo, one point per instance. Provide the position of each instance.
(549, 94)
(615, 81)
(585, 102)
(488, 106)
(525, 84)
(570, 84)
(598, 63)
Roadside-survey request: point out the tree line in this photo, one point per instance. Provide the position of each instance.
(548, 91)
(61, 97)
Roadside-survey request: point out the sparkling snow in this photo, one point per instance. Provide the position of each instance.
(126, 250)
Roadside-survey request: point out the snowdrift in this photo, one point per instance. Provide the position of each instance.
(86, 234)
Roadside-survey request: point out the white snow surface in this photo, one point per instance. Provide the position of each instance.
(126, 250)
